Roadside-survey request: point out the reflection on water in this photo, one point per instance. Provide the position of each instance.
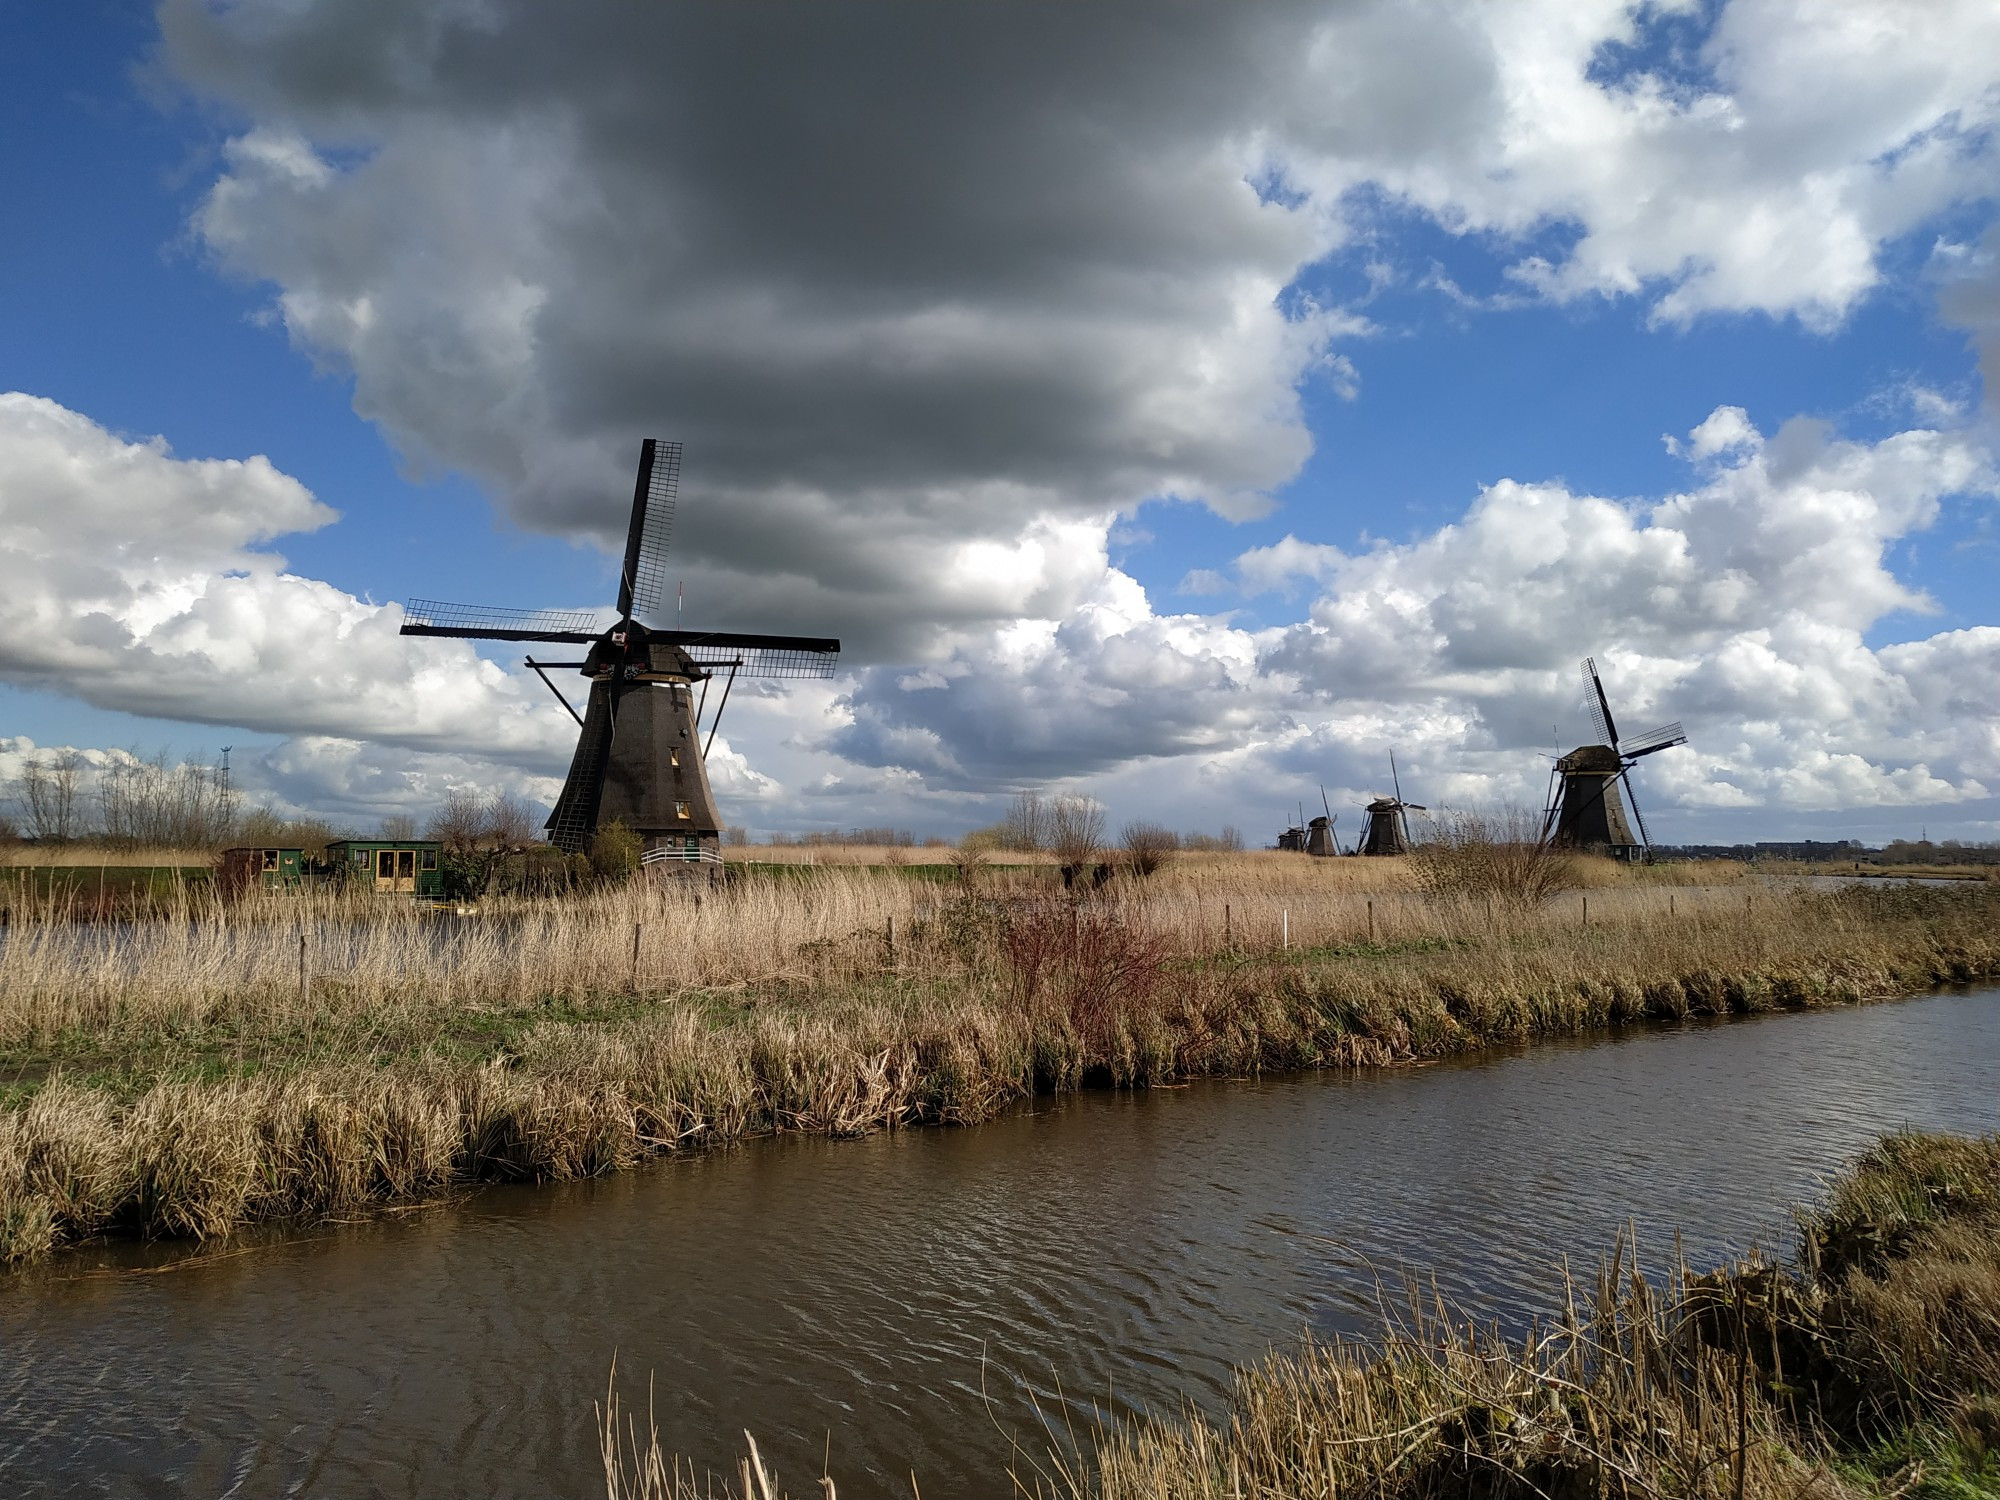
(888, 1297)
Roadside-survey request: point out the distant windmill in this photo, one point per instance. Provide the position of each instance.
(1388, 830)
(640, 757)
(1321, 842)
(1585, 810)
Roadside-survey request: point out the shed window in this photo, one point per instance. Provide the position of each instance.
(270, 859)
(681, 811)
(430, 859)
(361, 856)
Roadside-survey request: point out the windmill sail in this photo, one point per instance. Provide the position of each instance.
(1664, 738)
(794, 657)
(1632, 801)
(1598, 704)
(643, 578)
(481, 622)
(575, 816)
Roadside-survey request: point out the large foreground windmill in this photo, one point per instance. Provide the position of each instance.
(640, 754)
(1585, 810)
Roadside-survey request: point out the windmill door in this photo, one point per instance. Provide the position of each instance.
(396, 870)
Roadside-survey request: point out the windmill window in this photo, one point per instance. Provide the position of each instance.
(674, 758)
(681, 811)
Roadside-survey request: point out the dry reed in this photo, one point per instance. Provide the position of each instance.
(315, 1052)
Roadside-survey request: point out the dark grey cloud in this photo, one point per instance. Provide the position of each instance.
(900, 276)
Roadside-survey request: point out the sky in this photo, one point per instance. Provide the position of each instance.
(1186, 406)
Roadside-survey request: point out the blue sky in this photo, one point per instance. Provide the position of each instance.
(201, 200)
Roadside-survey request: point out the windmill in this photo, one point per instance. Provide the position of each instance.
(1321, 840)
(1388, 829)
(1585, 810)
(640, 755)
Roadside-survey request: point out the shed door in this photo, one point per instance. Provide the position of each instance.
(406, 869)
(385, 869)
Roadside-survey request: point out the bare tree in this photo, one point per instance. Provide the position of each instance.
(398, 826)
(1026, 825)
(510, 820)
(1148, 846)
(1076, 830)
(51, 796)
(478, 834)
(153, 803)
(266, 828)
(460, 822)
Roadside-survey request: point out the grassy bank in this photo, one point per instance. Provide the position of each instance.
(314, 1054)
(1868, 1366)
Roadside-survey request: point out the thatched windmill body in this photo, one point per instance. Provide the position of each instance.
(1585, 810)
(641, 751)
(1388, 827)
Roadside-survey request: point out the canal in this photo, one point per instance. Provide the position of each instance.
(897, 1303)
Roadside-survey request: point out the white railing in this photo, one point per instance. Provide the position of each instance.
(701, 854)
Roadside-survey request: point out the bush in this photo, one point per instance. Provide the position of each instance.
(1499, 855)
(1148, 846)
(614, 852)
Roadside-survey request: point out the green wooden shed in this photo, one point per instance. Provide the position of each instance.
(245, 868)
(390, 867)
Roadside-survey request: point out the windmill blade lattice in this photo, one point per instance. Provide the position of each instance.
(779, 662)
(1632, 802)
(643, 580)
(575, 817)
(1664, 738)
(497, 623)
(1598, 704)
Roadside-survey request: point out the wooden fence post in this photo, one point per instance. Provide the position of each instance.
(635, 956)
(1228, 937)
(1371, 919)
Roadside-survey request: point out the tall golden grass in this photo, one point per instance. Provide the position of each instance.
(316, 1051)
(88, 856)
(1868, 1366)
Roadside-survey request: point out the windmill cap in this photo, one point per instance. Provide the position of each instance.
(1592, 758)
